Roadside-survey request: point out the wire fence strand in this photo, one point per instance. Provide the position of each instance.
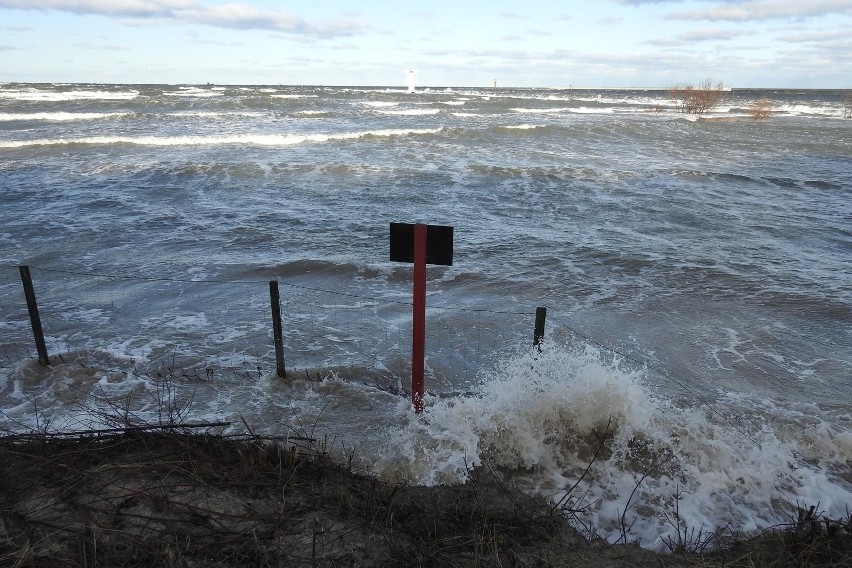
(226, 324)
(223, 326)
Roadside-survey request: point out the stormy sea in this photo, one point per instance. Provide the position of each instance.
(696, 272)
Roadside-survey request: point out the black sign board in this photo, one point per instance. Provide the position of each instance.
(439, 243)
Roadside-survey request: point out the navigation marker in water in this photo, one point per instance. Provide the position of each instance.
(411, 78)
(420, 244)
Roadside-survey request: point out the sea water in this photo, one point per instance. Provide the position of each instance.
(697, 276)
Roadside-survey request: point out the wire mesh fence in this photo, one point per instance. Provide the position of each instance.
(226, 326)
(223, 329)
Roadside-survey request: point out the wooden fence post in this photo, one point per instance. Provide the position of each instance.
(276, 328)
(538, 334)
(35, 320)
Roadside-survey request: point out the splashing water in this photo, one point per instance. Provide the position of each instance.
(654, 466)
(573, 424)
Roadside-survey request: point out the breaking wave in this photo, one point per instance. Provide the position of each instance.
(543, 418)
(242, 139)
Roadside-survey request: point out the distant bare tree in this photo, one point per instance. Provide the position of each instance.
(697, 99)
(760, 109)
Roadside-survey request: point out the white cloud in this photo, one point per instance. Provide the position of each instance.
(240, 16)
(700, 35)
(143, 8)
(755, 10)
(828, 43)
(609, 20)
(99, 47)
(711, 34)
(819, 36)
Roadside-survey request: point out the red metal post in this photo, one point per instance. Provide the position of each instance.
(418, 333)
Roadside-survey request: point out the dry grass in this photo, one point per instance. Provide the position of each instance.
(810, 541)
(135, 497)
(169, 498)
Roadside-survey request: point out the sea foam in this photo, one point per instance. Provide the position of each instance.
(542, 419)
(58, 116)
(249, 139)
(53, 96)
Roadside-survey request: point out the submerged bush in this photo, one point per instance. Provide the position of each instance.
(760, 109)
(697, 99)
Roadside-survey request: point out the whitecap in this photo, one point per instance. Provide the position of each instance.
(247, 139)
(59, 116)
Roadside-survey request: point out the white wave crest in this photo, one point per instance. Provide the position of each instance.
(591, 110)
(52, 96)
(216, 114)
(59, 116)
(194, 92)
(554, 110)
(237, 139)
(412, 112)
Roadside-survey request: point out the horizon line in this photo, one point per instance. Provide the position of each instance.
(423, 87)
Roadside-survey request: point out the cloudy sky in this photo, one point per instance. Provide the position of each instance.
(534, 43)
